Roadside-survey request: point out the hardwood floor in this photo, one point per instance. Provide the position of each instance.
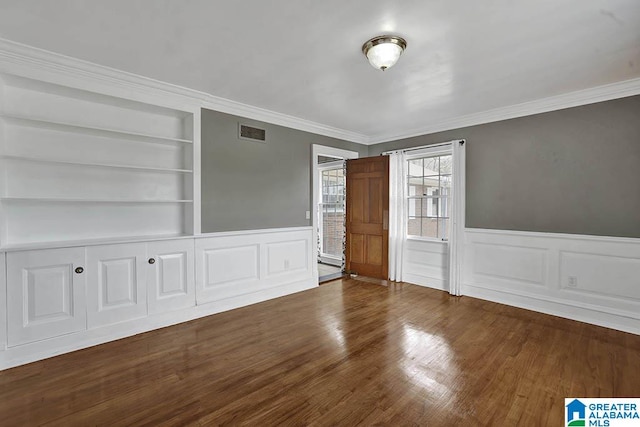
(349, 352)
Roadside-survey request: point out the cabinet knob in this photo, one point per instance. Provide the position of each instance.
(79, 270)
(152, 261)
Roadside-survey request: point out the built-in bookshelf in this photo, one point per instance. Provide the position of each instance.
(78, 165)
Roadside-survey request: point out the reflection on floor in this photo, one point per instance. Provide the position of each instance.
(328, 272)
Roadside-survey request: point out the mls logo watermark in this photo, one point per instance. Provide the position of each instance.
(602, 412)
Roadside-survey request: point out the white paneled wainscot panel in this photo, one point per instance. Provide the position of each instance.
(231, 265)
(588, 278)
(426, 263)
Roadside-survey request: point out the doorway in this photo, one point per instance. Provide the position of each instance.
(328, 215)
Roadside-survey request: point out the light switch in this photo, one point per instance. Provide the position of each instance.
(307, 214)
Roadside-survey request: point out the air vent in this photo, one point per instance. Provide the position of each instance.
(251, 133)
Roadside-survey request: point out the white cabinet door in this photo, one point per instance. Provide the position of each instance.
(45, 294)
(171, 271)
(117, 289)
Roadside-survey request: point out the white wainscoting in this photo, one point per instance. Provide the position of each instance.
(237, 264)
(587, 278)
(426, 263)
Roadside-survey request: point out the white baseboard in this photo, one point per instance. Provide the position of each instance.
(591, 279)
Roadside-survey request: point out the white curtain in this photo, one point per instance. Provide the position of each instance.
(457, 209)
(397, 213)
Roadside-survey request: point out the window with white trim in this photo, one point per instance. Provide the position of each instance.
(429, 180)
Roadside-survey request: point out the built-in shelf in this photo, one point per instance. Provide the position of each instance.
(81, 167)
(67, 200)
(100, 165)
(69, 127)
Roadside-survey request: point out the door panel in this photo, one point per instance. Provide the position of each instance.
(367, 210)
(46, 297)
(171, 276)
(356, 206)
(118, 290)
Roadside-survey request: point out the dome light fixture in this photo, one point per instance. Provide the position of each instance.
(384, 51)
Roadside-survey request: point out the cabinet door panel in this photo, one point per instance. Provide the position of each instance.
(46, 297)
(171, 283)
(116, 283)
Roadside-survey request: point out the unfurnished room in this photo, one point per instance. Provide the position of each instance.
(322, 213)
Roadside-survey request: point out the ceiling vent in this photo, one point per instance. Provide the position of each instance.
(251, 133)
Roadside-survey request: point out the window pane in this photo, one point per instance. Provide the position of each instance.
(444, 207)
(415, 207)
(445, 184)
(445, 164)
(413, 226)
(430, 227)
(431, 182)
(415, 186)
(430, 166)
(415, 168)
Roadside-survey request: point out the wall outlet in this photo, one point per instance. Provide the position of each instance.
(307, 214)
(573, 282)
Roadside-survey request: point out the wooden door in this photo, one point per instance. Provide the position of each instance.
(368, 216)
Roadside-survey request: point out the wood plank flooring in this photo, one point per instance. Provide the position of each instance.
(351, 352)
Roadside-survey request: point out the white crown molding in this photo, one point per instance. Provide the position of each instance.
(20, 59)
(28, 61)
(572, 99)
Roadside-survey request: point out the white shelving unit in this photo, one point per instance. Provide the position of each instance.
(83, 166)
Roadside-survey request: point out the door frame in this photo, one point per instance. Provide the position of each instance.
(322, 150)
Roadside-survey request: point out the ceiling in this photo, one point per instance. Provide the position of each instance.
(302, 58)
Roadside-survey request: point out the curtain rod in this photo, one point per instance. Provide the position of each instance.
(442, 144)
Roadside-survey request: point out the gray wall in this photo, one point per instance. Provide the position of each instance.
(570, 171)
(249, 185)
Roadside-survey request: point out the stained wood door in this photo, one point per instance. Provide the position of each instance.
(367, 225)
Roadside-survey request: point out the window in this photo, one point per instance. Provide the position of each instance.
(429, 180)
(332, 211)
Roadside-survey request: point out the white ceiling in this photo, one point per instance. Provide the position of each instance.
(302, 58)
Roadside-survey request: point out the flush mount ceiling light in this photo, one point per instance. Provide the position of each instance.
(384, 51)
